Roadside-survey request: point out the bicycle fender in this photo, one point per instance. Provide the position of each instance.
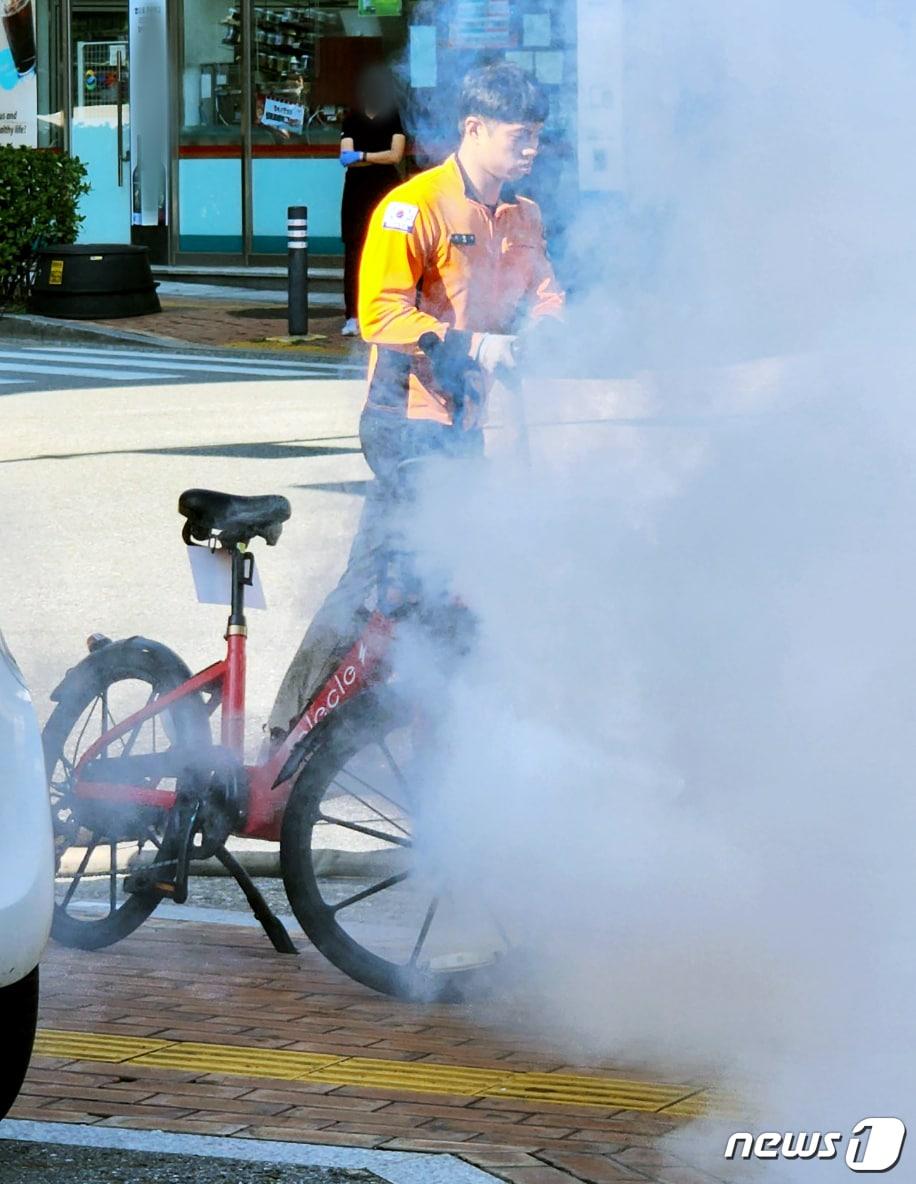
(299, 755)
(84, 669)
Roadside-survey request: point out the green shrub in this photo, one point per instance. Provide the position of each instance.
(39, 193)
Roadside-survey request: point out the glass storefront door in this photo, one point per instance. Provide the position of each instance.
(100, 123)
(303, 68)
(263, 89)
(210, 132)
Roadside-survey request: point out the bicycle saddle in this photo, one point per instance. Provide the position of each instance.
(236, 519)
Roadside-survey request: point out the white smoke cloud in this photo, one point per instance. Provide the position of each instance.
(680, 758)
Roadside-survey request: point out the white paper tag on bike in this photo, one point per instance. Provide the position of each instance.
(212, 572)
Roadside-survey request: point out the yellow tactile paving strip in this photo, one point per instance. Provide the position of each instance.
(422, 1077)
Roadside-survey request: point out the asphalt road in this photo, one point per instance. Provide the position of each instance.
(35, 1163)
(91, 470)
(90, 478)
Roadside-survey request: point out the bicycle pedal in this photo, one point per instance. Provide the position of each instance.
(150, 880)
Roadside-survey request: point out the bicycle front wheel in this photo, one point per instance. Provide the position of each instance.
(96, 842)
(358, 880)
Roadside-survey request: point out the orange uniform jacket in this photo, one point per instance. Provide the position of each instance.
(436, 258)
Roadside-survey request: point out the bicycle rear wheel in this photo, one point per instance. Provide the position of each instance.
(95, 842)
(357, 880)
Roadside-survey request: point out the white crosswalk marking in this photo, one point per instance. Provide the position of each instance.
(255, 365)
(153, 363)
(75, 366)
(23, 366)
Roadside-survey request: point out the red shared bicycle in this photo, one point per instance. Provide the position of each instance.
(141, 788)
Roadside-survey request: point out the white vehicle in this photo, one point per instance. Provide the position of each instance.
(26, 874)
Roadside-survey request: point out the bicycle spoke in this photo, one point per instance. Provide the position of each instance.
(79, 739)
(424, 930)
(367, 830)
(372, 809)
(382, 886)
(78, 875)
(128, 742)
(61, 787)
(109, 723)
(365, 784)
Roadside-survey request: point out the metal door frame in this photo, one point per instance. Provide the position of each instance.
(65, 65)
(247, 20)
(176, 11)
(174, 23)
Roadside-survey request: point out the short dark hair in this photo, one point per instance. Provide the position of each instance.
(504, 93)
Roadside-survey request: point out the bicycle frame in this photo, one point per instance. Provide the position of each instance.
(267, 796)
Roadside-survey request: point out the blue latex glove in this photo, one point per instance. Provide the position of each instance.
(348, 158)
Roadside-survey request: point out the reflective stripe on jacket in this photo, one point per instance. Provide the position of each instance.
(435, 258)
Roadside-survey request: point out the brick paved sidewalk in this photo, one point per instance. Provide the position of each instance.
(201, 986)
(220, 323)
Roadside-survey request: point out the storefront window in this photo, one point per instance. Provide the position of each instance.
(264, 88)
(259, 92)
(304, 71)
(295, 65)
(210, 135)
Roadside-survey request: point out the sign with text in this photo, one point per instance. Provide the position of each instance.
(287, 117)
(18, 90)
(480, 24)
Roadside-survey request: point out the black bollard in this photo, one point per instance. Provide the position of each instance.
(297, 229)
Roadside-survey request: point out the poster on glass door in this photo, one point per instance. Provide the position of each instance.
(480, 24)
(149, 99)
(18, 91)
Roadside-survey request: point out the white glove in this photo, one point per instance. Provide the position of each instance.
(495, 351)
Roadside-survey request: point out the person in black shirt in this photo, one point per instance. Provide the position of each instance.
(372, 144)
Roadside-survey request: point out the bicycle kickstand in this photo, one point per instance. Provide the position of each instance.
(270, 922)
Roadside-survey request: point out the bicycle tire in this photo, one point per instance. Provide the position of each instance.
(344, 735)
(131, 660)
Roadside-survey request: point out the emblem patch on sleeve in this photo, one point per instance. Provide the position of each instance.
(400, 216)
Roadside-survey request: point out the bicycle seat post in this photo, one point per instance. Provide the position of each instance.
(233, 714)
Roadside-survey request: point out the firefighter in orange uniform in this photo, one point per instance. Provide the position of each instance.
(454, 251)
(454, 257)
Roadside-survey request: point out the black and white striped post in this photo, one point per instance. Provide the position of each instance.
(297, 230)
